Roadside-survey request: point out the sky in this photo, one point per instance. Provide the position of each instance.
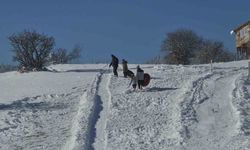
(130, 29)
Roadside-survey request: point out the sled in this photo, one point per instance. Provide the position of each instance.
(130, 73)
(146, 79)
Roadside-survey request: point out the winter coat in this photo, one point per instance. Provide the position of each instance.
(125, 66)
(140, 74)
(114, 62)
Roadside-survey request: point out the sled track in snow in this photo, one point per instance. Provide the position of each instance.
(83, 125)
(188, 112)
(241, 97)
(206, 114)
(104, 95)
(197, 95)
(98, 117)
(94, 116)
(91, 108)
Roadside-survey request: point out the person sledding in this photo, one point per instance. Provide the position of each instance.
(114, 63)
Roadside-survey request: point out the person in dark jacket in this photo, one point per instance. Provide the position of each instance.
(125, 68)
(140, 77)
(114, 63)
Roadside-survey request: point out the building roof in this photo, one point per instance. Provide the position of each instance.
(241, 26)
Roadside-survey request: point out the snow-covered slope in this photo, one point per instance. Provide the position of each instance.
(86, 107)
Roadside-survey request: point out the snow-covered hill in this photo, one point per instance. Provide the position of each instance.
(86, 107)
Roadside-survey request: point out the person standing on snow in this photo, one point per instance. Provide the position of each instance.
(126, 71)
(114, 63)
(140, 77)
(125, 68)
(133, 81)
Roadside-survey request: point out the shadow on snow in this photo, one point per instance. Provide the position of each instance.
(24, 104)
(93, 121)
(159, 89)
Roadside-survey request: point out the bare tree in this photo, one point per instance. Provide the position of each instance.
(180, 46)
(31, 49)
(213, 50)
(155, 60)
(185, 47)
(75, 53)
(61, 56)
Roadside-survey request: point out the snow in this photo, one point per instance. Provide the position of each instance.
(86, 107)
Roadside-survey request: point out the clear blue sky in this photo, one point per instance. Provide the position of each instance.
(130, 29)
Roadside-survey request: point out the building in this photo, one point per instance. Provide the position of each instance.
(242, 34)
